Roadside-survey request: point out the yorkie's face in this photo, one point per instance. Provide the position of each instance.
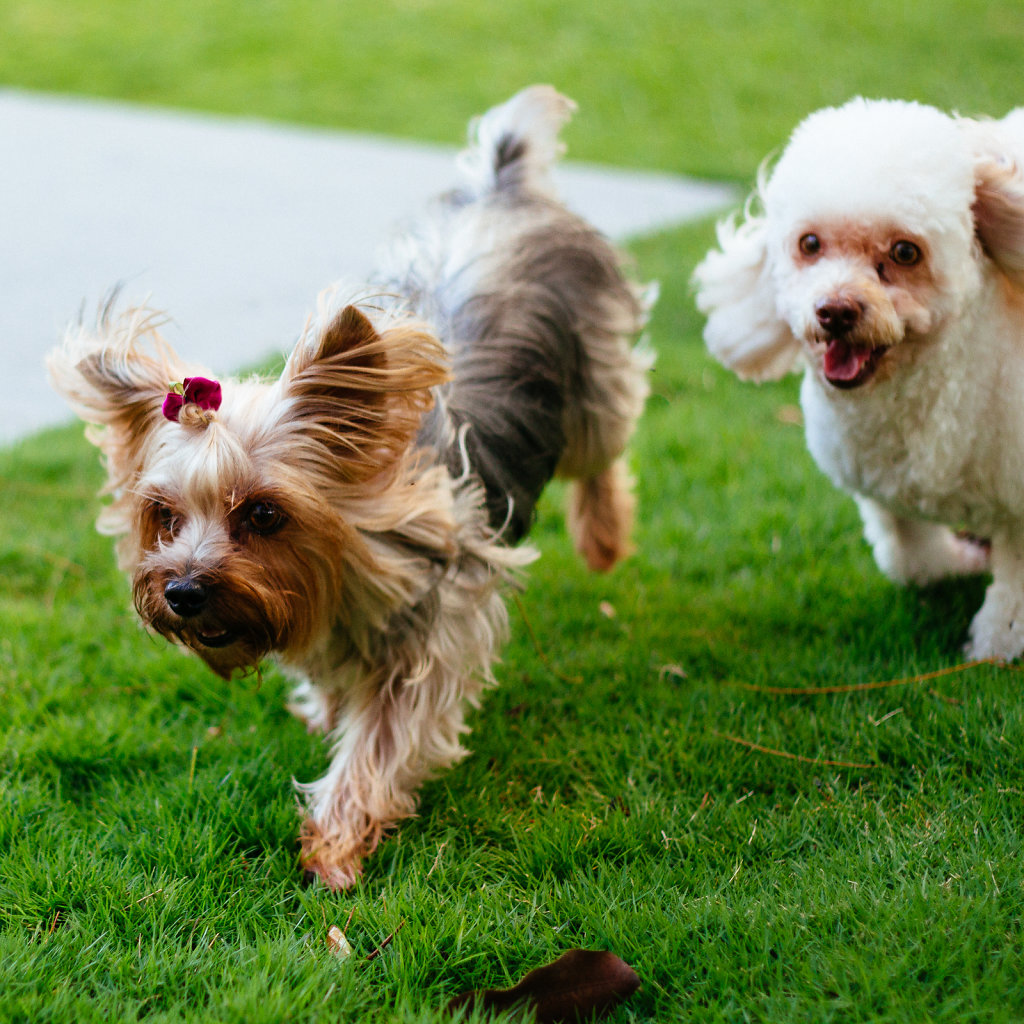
(233, 557)
(234, 510)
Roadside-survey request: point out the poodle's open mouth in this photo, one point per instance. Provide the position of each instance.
(847, 365)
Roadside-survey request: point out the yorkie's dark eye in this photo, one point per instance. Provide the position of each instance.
(166, 518)
(905, 253)
(264, 518)
(810, 244)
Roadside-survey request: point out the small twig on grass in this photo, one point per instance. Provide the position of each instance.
(705, 800)
(142, 899)
(537, 647)
(437, 859)
(373, 954)
(791, 757)
(992, 875)
(812, 691)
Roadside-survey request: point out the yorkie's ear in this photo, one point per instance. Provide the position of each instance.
(362, 393)
(111, 380)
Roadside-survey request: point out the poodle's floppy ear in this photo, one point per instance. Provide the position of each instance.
(361, 393)
(115, 376)
(999, 210)
(734, 289)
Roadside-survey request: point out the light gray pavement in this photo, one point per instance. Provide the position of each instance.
(230, 225)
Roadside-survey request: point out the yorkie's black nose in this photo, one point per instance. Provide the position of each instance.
(838, 316)
(186, 597)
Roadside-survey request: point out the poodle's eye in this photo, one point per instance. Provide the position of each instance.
(264, 518)
(810, 244)
(904, 253)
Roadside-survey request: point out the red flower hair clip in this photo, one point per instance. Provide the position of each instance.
(199, 391)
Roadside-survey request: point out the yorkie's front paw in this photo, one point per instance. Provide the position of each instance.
(335, 860)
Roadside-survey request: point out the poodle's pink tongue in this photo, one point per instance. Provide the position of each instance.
(843, 361)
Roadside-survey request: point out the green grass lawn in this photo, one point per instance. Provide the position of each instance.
(862, 862)
(147, 823)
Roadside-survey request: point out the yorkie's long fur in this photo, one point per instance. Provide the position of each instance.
(356, 517)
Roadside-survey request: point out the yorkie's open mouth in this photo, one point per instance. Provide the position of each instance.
(220, 638)
(847, 365)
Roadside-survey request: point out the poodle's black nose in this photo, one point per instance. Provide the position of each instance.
(186, 597)
(837, 316)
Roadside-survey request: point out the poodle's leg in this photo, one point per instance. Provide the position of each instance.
(918, 551)
(998, 629)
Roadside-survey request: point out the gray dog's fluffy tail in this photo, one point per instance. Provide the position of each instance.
(512, 146)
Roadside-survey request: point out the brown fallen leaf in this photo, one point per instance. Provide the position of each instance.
(580, 983)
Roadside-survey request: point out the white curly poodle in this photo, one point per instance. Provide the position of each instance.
(885, 254)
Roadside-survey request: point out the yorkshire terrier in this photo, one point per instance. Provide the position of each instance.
(356, 518)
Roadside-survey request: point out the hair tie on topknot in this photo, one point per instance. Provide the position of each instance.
(193, 401)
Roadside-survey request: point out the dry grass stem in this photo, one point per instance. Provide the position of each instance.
(814, 691)
(792, 757)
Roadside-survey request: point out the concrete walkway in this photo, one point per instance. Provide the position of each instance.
(231, 225)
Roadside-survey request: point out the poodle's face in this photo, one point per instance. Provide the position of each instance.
(851, 290)
(874, 233)
(870, 238)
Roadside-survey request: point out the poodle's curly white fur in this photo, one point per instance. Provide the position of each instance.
(884, 253)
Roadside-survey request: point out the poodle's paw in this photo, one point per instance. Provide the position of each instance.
(997, 631)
